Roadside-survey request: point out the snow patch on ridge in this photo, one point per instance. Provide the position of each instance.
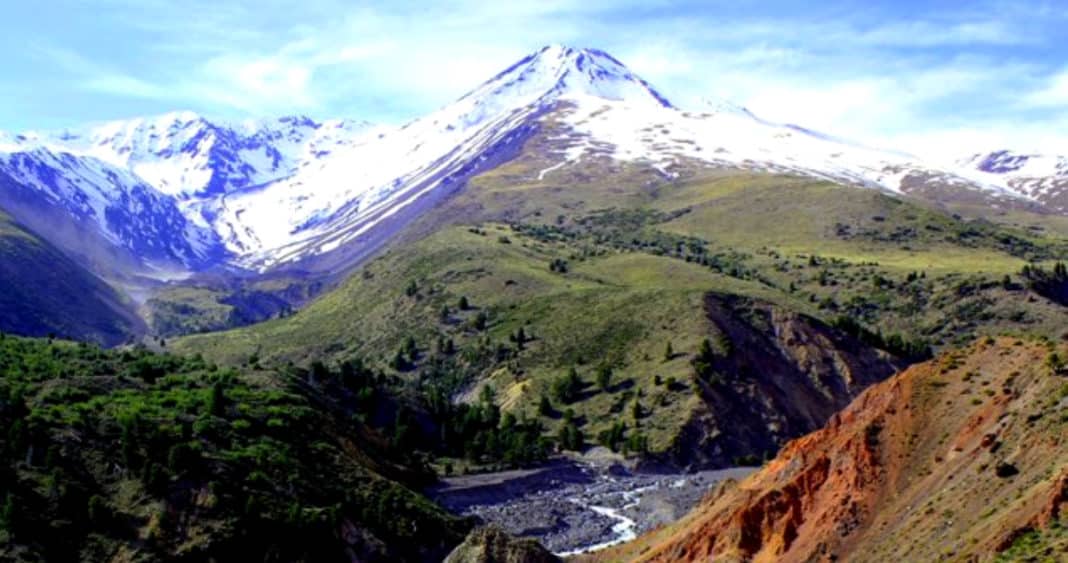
(733, 136)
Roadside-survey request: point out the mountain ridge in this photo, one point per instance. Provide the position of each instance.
(268, 194)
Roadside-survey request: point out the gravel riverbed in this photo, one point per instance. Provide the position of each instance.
(573, 507)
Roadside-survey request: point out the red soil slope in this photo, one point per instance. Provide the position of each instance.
(953, 459)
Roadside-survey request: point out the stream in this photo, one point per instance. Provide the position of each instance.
(575, 508)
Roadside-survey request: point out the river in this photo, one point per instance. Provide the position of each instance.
(576, 508)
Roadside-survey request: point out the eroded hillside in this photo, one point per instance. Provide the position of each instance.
(961, 458)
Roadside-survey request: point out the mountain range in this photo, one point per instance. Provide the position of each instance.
(314, 320)
(177, 194)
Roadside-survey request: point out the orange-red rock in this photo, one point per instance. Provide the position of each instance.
(905, 473)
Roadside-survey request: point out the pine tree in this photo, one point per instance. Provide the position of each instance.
(566, 389)
(669, 352)
(97, 510)
(488, 395)
(705, 359)
(294, 516)
(481, 320)
(604, 377)
(216, 400)
(570, 436)
(399, 363)
(637, 443)
(545, 408)
(8, 512)
(705, 350)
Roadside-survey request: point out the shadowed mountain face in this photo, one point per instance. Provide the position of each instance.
(43, 292)
(770, 375)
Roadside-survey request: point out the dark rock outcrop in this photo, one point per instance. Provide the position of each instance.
(773, 375)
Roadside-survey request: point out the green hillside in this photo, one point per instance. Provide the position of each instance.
(204, 304)
(42, 292)
(601, 276)
(132, 456)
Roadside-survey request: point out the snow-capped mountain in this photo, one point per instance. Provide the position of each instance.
(263, 194)
(147, 182)
(46, 189)
(338, 199)
(184, 155)
(726, 135)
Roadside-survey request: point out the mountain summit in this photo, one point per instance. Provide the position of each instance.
(556, 71)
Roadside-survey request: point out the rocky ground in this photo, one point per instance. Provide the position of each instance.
(573, 507)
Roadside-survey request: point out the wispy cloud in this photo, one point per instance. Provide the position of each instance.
(1054, 94)
(873, 70)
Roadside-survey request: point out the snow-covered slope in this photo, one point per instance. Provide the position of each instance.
(336, 200)
(261, 194)
(184, 155)
(121, 208)
(1040, 177)
(732, 136)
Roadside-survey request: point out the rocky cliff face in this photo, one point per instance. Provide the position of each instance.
(959, 458)
(773, 375)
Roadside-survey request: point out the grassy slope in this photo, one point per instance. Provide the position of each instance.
(803, 245)
(43, 292)
(202, 305)
(597, 311)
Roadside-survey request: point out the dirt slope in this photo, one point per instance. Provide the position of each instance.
(955, 459)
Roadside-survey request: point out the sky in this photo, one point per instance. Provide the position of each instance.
(928, 77)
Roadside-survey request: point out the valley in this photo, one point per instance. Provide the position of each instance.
(560, 306)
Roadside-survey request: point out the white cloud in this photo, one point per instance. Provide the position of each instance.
(127, 86)
(257, 83)
(937, 76)
(1054, 94)
(933, 34)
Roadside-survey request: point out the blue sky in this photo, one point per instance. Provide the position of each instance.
(918, 76)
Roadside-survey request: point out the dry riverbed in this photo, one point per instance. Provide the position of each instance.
(572, 507)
